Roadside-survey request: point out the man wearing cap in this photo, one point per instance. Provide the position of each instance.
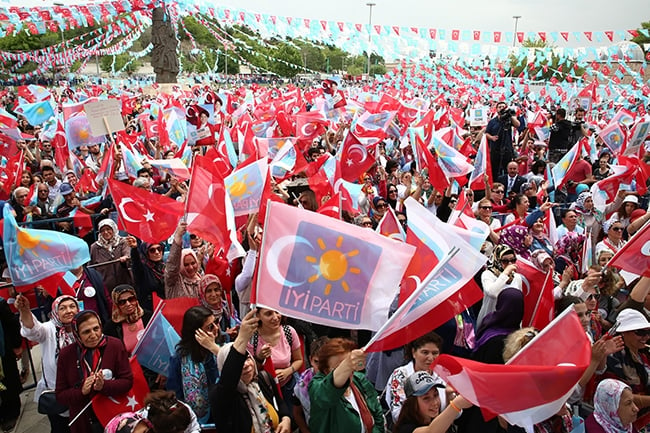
(631, 365)
(70, 202)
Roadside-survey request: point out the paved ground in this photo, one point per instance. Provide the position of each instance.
(30, 421)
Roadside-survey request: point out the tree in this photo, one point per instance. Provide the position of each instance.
(288, 54)
(642, 39)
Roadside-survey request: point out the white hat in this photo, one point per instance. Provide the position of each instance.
(631, 320)
(631, 199)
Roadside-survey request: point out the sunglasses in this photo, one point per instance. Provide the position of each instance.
(594, 296)
(499, 191)
(617, 229)
(506, 261)
(130, 300)
(193, 236)
(392, 191)
(367, 223)
(485, 207)
(380, 206)
(642, 332)
(155, 250)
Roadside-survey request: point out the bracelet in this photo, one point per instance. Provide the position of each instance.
(456, 408)
(293, 370)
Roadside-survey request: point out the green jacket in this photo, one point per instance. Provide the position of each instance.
(331, 412)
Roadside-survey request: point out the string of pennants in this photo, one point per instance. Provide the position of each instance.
(38, 20)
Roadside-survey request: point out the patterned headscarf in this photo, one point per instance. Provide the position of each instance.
(606, 401)
(75, 326)
(157, 268)
(569, 247)
(203, 286)
(495, 262)
(63, 337)
(112, 242)
(189, 252)
(116, 313)
(538, 257)
(513, 237)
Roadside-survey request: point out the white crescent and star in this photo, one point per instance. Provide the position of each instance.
(358, 149)
(276, 251)
(125, 215)
(645, 249)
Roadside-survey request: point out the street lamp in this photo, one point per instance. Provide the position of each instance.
(370, 5)
(516, 18)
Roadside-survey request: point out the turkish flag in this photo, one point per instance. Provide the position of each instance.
(538, 295)
(548, 368)
(634, 257)
(332, 207)
(206, 204)
(106, 408)
(356, 158)
(310, 125)
(149, 216)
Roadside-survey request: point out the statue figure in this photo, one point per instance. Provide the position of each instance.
(164, 58)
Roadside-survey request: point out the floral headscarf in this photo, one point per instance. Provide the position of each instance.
(569, 246)
(116, 313)
(112, 242)
(495, 262)
(580, 202)
(63, 337)
(606, 401)
(513, 237)
(157, 268)
(203, 286)
(538, 257)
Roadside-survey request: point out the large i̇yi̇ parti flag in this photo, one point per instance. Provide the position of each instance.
(40, 256)
(158, 343)
(541, 376)
(146, 215)
(325, 271)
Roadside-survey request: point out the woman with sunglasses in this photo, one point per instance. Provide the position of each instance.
(485, 208)
(97, 364)
(614, 237)
(500, 274)
(631, 365)
(193, 368)
(148, 270)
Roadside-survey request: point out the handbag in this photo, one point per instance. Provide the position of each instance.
(47, 403)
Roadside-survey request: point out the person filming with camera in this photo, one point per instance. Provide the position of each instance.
(499, 135)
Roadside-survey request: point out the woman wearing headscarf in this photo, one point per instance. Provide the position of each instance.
(182, 271)
(517, 238)
(501, 273)
(52, 336)
(96, 364)
(614, 409)
(110, 246)
(211, 297)
(246, 400)
(148, 270)
(193, 368)
(590, 218)
(613, 240)
(568, 253)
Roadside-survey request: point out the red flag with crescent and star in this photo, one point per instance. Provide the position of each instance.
(106, 407)
(149, 216)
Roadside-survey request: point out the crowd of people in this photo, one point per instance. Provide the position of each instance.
(238, 368)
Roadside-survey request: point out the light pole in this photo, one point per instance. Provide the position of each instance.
(516, 18)
(370, 5)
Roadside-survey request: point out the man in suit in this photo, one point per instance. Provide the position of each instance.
(511, 180)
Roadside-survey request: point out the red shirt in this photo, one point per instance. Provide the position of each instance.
(579, 173)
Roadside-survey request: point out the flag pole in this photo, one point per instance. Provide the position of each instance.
(414, 295)
(79, 414)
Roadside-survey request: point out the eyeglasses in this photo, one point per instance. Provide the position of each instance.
(130, 300)
(500, 191)
(642, 332)
(593, 296)
(507, 261)
(155, 250)
(485, 207)
(617, 229)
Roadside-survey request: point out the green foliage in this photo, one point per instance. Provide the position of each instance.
(641, 39)
(120, 60)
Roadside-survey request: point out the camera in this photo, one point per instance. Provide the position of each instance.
(506, 114)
